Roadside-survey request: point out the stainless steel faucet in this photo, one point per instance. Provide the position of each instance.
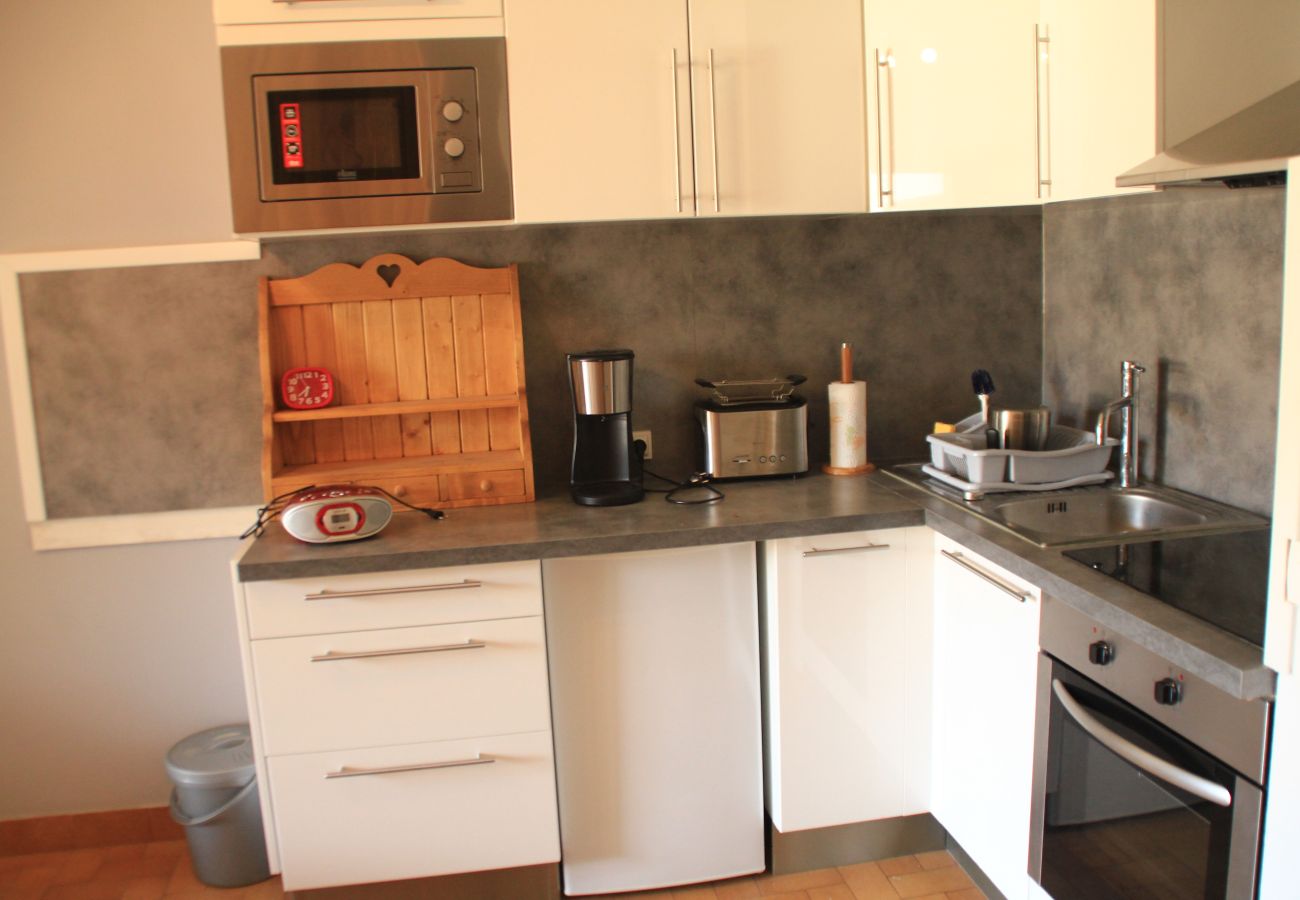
(1127, 406)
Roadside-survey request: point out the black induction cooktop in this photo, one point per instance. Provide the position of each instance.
(1221, 578)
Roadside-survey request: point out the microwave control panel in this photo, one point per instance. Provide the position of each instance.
(455, 123)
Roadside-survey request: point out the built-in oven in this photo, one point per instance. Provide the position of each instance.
(1147, 779)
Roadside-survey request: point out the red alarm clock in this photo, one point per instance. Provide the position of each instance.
(307, 388)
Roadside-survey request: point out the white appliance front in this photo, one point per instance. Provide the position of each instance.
(657, 719)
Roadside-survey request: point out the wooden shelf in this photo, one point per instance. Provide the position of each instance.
(395, 408)
(402, 467)
(428, 365)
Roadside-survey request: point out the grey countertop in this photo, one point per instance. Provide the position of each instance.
(554, 526)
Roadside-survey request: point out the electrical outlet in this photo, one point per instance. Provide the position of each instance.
(649, 444)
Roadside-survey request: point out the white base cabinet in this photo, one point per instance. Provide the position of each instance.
(401, 723)
(985, 676)
(847, 632)
(654, 674)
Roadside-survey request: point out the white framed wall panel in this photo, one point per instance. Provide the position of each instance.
(98, 531)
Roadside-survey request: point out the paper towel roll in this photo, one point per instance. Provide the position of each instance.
(848, 414)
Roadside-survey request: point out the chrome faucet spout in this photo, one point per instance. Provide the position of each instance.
(1127, 407)
(1103, 417)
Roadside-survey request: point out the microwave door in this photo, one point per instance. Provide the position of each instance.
(348, 134)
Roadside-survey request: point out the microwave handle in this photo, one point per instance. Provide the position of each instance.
(1143, 759)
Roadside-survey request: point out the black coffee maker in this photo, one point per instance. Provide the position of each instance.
(606, 471)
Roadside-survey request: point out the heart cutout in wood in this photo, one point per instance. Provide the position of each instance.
(389, 273)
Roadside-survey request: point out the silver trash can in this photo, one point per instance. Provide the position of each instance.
(215, 798)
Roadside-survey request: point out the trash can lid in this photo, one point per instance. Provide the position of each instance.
(218, 757)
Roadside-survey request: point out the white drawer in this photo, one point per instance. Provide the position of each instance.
(407, 691)
(413, 824)
(393, 599)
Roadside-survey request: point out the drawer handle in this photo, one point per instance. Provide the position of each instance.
(829, 550)
(1022, 596)
(380, 592)
(353, 771)
(331, 656)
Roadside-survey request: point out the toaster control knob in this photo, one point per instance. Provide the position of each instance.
(454, 147)
(1168, 692)
(1101, 653)
(453, 111)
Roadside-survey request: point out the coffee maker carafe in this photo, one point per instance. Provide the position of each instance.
(605, 471)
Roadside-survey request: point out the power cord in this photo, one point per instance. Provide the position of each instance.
(276, 505)
(697, 481)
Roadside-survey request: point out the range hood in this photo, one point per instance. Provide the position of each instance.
(1228, 94)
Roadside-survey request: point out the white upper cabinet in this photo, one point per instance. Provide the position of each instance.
(1097, 94)
(951, 111)
(777, 96)
(252, 12)
(624, 110)
(600, 104)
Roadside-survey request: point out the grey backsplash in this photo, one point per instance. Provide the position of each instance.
(1189, 284)
(145, 380)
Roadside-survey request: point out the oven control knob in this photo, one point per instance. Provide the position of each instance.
(454, 147)
(1101, 653)
(453, 111)
(1168, 692)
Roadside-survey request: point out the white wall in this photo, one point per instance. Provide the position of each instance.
(112, 136)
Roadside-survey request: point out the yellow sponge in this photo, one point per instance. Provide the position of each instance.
(944, 428)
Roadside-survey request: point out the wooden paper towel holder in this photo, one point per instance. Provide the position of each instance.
(846, 377)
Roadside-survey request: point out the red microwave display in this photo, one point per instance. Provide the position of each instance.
(291, 135)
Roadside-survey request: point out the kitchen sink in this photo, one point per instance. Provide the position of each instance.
(1094, 515)
(1099, 513)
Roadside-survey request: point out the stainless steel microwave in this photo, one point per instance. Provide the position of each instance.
(356, 134)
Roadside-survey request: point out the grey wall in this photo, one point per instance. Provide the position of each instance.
(1188, 283)
(145, 380)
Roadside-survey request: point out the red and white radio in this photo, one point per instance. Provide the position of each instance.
(336, 512)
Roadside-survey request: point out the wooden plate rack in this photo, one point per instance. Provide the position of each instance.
(428, 365)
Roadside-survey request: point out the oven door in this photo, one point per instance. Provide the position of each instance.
(1124, 807)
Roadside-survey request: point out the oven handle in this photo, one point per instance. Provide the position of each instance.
(1143, 759)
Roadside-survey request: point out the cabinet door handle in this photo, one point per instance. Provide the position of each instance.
(677, 139)
(331, 656)
(1022, 596)
(381, 592)
(830, 550)
(713, 122)
(354, 771)
(884, 63)
(1138, 756)
(1042, 111)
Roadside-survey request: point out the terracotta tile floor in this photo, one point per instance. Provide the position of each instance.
(926, 876)
(162, 869)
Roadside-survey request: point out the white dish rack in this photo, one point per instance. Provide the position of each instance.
(1069, 455)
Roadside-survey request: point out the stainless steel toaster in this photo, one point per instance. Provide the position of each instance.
(750, 429)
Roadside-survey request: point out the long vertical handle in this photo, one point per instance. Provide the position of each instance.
(881, 193)
(677, 139)
(713, 121)
(1042, 110)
